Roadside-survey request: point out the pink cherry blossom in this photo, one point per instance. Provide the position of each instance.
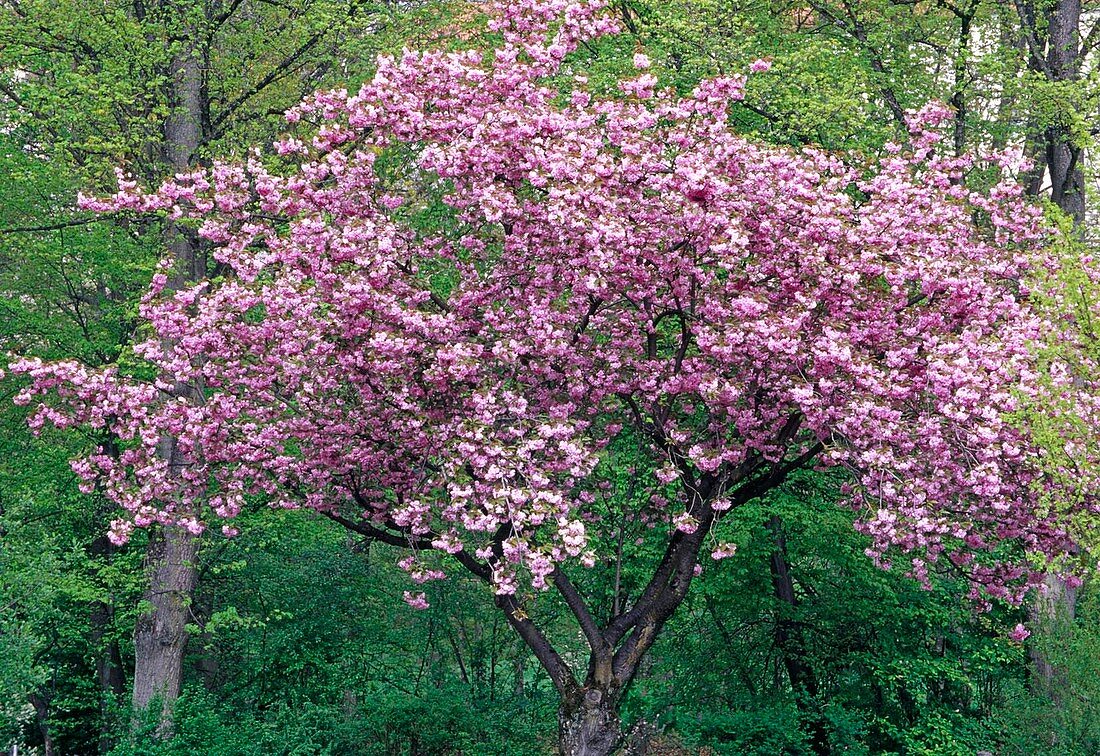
(745, 310)
(723, 551)
(416, 600)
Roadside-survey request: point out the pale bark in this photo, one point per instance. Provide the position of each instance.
(1054, 50)
(160, 635)
(1054, 605)
(590, 727)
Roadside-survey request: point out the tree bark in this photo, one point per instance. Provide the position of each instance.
(790, 638)
(1055, 53)
(1057, 603)
(589, 726)
(1067, 178)
(160, 636)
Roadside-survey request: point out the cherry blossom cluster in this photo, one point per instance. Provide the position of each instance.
(602, 264)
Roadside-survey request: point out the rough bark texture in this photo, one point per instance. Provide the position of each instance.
(1051, 32)
(160, 636)
(1053, 42)
(590, 726)
(1067, 178)
(1056, 604)
(964, 13)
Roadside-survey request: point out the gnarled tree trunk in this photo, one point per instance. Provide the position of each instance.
(589, 725)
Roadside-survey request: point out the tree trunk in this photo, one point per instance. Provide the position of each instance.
(1054, 50)
(160, 636)
(790, 639)
(1067, 178)
(110, 674)
(1054, 47)
(1056, 604)
(42, 720)
(589, 727)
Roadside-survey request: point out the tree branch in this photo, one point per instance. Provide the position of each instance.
(393, 539)
(53, 226)
(272, 76)
(575, 602)
(1031, 36)
(857, 31)
(549, 658)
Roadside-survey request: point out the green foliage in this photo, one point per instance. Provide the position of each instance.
(304, 647)
(1065, 720)
(898, 669)
(300, 643)
(442, 721)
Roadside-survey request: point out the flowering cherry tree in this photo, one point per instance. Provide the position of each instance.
(604, 269)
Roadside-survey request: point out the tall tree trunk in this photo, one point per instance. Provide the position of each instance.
(110, 674)
(790, 639)
(1057, 604)
(1053, 44)
(964, 13)
(520, 670)
(160, 636)
(1064, 158)
(1054, 52)
(1067, 178)
(42, 720)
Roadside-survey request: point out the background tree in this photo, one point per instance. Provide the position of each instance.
(154, 87)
